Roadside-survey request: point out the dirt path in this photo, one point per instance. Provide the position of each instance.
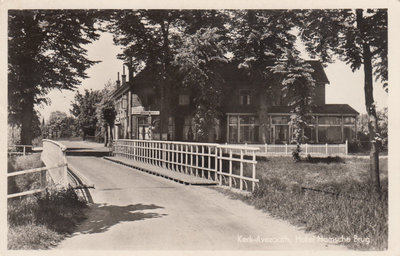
(135, 210)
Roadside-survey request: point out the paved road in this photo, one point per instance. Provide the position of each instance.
(135, 210)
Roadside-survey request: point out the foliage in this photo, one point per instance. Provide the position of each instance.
(84, 109)
(198, 60)
(344, 204)
(363, 131)
(105, 112)
(45, 52)
(359, 38)
(60, 126)
(299, 88)
(50, 217)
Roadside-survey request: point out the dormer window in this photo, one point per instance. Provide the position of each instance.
(244, 97)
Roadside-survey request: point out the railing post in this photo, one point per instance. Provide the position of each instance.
(220, 166)
(241, 169)
(347, 147)
(216, 162)
(326, 148)
(23, 148)
(266, 148)
(254, 172)
(286, 148)
(306, 148)
(230, 166)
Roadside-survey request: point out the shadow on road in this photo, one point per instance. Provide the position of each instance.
(101, 217)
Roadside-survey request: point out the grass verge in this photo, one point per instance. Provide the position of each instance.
(43, 220)
(347, 208)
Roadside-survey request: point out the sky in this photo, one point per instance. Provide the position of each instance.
(345, 86)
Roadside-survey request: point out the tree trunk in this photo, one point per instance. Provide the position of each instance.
(164, 86)
(370, 106)
(26, 122)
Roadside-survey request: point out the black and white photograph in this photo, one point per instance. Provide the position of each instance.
(236, 128)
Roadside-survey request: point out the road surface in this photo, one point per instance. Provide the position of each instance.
(133, 210)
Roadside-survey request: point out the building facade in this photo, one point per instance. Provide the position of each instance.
(247, 116)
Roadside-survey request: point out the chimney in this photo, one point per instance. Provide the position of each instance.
(118, 82)
(123, 75)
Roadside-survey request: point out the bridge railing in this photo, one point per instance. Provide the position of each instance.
(53, 156)
(226, 165)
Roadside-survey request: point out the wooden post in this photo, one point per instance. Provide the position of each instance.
(241, 169)
(347, 147)
(220, 166)
(216, 162)
(306, 148)
(266, 148)
(254, 172)
(230, 166)
(326, 148)
(286, 148)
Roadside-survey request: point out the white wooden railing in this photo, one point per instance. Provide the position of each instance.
(284, 149)
(13, 150)
(206, 160)
(53, 155)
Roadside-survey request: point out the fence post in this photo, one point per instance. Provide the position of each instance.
(286, 149)
(306, 148)
(230, 166)
(347, 147)
(266, 148)
(254, 172)
(245, 146)
(326, 148)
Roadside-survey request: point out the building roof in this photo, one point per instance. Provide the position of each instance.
(319, 74)
(335, 109)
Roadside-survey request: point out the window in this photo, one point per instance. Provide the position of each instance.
(331, 120)
(329, 134)
(124, 102)
(184, 99)
(348, 120)
(244, 97)
(280, 119)
(243, 128)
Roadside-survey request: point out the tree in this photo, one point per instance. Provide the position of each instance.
(45, 51)
(106, 113)
(299, 89)
(359, 38)
(84, 109)
(260, 41)
(58, 125)
(153, 38)
(200, 56)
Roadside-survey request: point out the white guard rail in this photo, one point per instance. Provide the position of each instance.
(206, 160)
(286, 149)
(54, 157)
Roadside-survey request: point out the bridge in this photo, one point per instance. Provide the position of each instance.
(166, 196)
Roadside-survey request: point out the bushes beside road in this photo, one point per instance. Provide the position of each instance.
(43, 220)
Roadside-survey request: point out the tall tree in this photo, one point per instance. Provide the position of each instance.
(148, 41)
(106, 113)
(199, 59)
(45, 51)
(299, 88)
(153, 38)
(359, 38)
(84, 109)
(260, 40)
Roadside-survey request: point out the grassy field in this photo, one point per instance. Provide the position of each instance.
(339, 202)
(43, 220)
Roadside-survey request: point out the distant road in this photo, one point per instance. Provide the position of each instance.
(135, 210)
